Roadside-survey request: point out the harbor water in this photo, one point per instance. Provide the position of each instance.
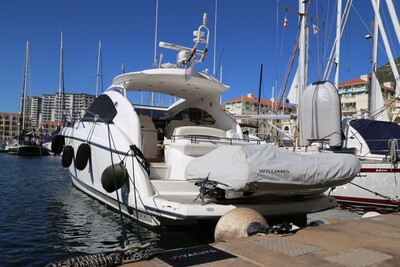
(45, 219)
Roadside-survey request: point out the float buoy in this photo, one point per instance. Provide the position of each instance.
(57, 144)
(67, 156)
(114, 177)
(82, 156)
(236, 223)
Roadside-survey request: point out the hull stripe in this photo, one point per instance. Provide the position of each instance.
(380, 170)
(368, 201)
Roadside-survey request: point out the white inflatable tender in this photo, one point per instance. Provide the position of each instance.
(235, 166)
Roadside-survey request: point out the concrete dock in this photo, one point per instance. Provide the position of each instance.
(373, 241)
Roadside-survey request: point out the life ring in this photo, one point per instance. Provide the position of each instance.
(82, 156)
(57, 144)
(67, 156)
(114, 177)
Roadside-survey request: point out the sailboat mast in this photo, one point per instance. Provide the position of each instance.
(155, 37)
(338, 33)
(302, 50)
(387, 48)
(215, 38)
(61, 81)
(371, 104)
(259, 92)
(98, 69)
(395, 19)
(23, 102)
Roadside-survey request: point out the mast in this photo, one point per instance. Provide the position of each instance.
(302, 50)
(395, 19)
(155, 37)
(375, 99)
(259, 93)
(23, 102)
(338, 35)
(155, 53)
(99, 68)
(215, 37)
(61, 82)
(387, 48)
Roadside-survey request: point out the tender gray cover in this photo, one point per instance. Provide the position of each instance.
(234, 166)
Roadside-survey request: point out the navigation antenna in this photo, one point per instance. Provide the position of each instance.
(186, 54)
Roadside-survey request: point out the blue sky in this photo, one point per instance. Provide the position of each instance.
(247, 34)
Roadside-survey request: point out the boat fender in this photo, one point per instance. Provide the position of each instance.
(141, 158)
(238, 223)
(82, 156)
(67, 156)
(57, 144)
(114, 177)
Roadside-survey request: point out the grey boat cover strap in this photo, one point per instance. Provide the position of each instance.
(234, 166)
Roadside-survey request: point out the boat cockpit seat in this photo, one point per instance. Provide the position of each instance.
(169, 129)
(195, 140)
(185, 131)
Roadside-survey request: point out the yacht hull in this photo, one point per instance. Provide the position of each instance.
(378, 184)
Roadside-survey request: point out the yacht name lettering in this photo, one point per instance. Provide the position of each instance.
(382, 170)
(273, 171)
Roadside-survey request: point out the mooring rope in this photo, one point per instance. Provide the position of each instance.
(376, 193)
(124, 240)
(116, 258)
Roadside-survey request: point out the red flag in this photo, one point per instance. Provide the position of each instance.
(315, 29)
(285, 23)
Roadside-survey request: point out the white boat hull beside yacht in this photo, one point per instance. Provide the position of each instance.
(376, 144)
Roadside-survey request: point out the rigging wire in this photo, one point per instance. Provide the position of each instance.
(368, 28)
(124, 237)
(237, 22)
(281, 48)
(277, 49)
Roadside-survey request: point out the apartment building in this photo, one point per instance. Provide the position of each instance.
(354, 98)
(43, 114)
(33, 105)
(248, 105)
(10, 125)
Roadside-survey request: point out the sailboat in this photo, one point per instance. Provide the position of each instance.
(375, 140)
(27, 143)
(188, 162)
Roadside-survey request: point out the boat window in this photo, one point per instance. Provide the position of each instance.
(102, 109)
(198, 116)
(116, 89)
